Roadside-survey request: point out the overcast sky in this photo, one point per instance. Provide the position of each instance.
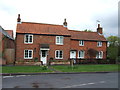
(80, 14)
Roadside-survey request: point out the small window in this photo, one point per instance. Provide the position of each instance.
(28, 54)
(59, 40)
(81, 43)
(59, 54)
(81, 54)
(28, 38)
(99, 55)
(99, 44)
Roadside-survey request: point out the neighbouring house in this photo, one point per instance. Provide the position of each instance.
(7, 49)
(46, 41)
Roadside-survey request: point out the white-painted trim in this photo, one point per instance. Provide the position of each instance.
(58, 53)
(100, 44)
(28, 54)
(28, 39)
(83, 54)
(59, 40)
(80, 43)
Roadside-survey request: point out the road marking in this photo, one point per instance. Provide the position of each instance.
(73, 86)
(15, 76)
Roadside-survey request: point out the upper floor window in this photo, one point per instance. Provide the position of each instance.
(59, 40)
(28, 38)
(81, 54)
(99, 55)
(28, 54)
(81, 43)
(99, 44)
(59, 54)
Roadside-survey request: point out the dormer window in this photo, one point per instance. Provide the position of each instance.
(28, 38)
(99, 44)
(81, 43)
(59, 40)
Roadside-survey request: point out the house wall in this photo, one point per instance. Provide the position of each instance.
(41, 39)
(88, 45)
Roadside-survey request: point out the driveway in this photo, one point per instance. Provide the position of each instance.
(91, 80)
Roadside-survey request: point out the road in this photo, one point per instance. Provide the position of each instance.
(84, 80)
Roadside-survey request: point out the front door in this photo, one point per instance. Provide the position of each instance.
(44, 56)
(73, 55)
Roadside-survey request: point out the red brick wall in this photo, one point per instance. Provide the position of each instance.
(68, 45)
(41, 39)
(88, 45)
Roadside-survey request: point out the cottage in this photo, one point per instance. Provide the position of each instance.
(45, 41)
(7, 49)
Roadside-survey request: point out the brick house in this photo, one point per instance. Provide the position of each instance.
(45, 41)
(7, 46)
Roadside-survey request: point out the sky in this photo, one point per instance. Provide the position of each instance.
(80, 14)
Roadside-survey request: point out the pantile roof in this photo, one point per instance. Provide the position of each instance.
(40, 28)
(51, 29)
(82, 35)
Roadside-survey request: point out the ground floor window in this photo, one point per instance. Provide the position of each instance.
(28, 54)
(81, 54)
(59, 54)
(99, 55)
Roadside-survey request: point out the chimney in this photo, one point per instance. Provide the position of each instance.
(18, 19)
(65, 23)
(99, 29)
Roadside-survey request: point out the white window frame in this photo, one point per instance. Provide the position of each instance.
(58, 41)
(99, 44)
(83, 53)
(28, 39)
(28, 54)
(58, 54)
(81, 43)
(100, 55)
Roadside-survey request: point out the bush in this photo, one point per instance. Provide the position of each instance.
(35, 59)
(44, 67)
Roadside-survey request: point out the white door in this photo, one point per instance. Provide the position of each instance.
(44, 56)
(73, 55)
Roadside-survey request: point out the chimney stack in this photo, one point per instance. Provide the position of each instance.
(65, 23)
(18, 19)
(99, 29)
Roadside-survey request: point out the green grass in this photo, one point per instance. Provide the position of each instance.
(24, 69)
(86, 68)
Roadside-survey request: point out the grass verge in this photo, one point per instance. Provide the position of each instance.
(24, 69)
(87, 68)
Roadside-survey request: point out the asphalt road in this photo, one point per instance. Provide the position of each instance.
(91, 80)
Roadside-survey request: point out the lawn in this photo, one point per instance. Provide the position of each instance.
(87, 68)
(24, 69)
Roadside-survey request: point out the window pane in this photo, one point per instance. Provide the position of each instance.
(26, 38)
(26, 53)
(30, 38)
(57, 54)
(60, 56)
(30, 54)
(57, 39)
(61, 40)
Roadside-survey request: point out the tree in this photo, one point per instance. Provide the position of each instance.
(113, 51)
(88, 30)
(92, 53)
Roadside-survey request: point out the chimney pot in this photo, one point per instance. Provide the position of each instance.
(19, 19)
(65, 23)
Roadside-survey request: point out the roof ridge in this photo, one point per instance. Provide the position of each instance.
(42, 23)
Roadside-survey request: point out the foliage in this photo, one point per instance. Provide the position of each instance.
(92, 52)
(113, 50)
(35, 59)
(88, 30)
